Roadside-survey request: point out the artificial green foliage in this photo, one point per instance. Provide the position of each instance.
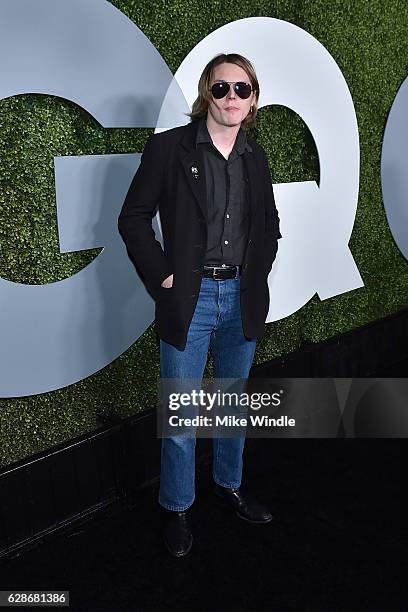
(367, 38)
(368, 41)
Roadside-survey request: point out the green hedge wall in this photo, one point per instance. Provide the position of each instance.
(369, 42)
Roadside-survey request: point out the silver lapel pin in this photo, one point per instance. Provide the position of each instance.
(194, 171)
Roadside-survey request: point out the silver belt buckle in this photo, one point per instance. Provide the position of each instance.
(215, 272)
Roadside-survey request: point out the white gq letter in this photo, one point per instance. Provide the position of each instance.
(56, 334)
(296, 71)
(394, 176)
(74, 327)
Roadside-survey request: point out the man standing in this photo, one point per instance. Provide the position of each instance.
(220, 229)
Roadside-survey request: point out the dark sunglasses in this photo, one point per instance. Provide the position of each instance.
(220, 90)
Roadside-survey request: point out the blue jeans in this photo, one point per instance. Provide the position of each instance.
(217, 323)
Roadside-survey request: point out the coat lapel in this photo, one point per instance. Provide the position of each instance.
(192, 160)
(193, 165)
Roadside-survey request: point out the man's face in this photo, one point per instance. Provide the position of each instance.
(230, 110)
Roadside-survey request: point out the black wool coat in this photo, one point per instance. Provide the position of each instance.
(171, 178)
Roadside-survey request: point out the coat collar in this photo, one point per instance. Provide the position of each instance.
(190, 136)
(203, 135)
(194, 131)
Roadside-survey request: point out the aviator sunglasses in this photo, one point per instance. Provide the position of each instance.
(243, 90)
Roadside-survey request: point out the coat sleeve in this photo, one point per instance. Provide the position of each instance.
(272, 217)
(272, 231)
(135, 219)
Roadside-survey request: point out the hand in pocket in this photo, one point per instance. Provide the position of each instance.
(168, 282)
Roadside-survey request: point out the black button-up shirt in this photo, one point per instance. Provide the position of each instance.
(227, 199)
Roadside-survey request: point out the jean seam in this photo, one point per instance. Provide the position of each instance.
(176, 508)
(222, 483)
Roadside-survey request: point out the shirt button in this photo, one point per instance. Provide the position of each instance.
(227, 216)
(225, 241)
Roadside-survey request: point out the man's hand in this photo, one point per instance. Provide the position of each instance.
(168, 282)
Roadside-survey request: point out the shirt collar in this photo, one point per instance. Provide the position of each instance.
(241, 142)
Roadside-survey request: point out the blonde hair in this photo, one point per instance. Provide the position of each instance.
(201, 104)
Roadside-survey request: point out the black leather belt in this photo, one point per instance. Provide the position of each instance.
(221, 272)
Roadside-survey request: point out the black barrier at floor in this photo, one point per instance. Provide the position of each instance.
(59, 486)
(70, 483)
(378, 349)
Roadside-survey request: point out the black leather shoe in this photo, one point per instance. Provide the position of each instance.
(177, 533)
(248, 510)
